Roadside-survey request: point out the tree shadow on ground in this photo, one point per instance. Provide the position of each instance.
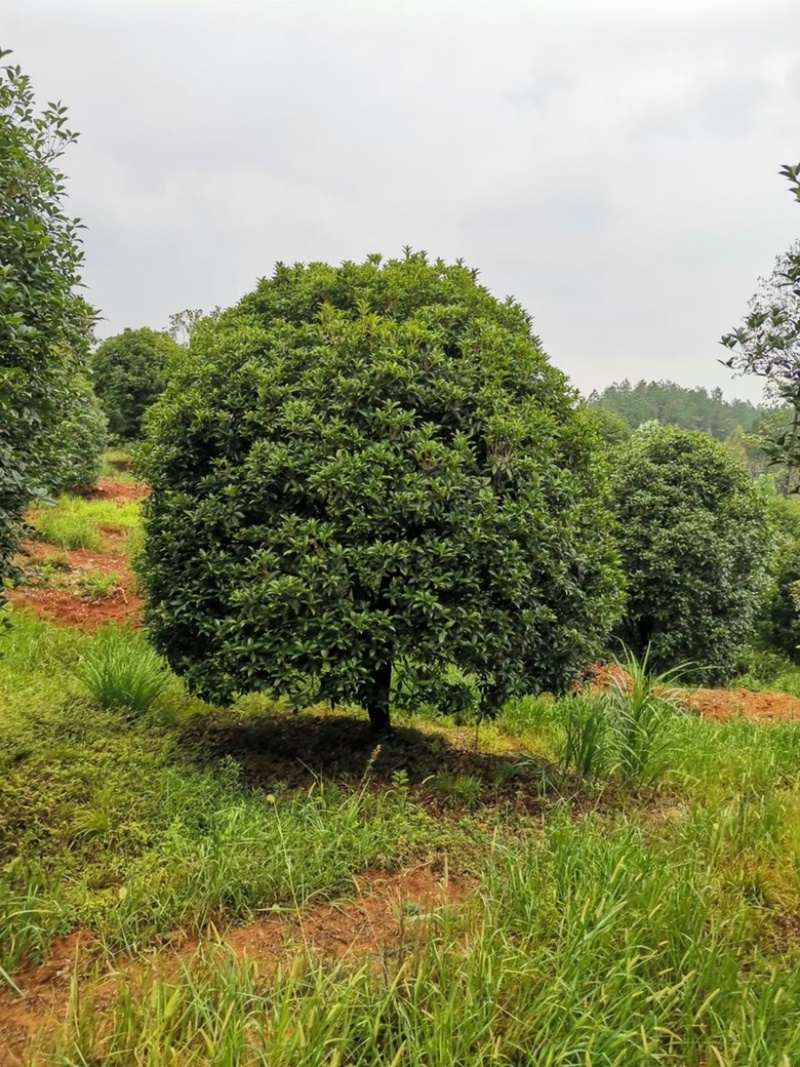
(297, 750)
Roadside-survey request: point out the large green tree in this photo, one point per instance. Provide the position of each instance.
(696, 545)
(130, 372)
(44, 324)
(368, 466)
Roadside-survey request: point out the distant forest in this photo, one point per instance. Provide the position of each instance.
(676, 405)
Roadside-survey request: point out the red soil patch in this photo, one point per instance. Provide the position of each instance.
(78, 560)
(119, 492)
(721, 704)
(716, 704)
(65, 604)
(391, 910)
(67, 609)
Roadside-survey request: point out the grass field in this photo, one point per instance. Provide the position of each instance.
(183, 884)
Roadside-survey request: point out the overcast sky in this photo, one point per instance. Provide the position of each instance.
(611, 163)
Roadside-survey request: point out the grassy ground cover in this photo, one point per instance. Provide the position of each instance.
(606, 921)
(74, 523)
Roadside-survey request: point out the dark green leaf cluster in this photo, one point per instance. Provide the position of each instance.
(44, 325)
(372, 464)
(696, 544)
(130, 372)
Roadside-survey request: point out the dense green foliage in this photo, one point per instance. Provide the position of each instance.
(130, 372)
(367, 465)
(675, 405)
(72, 448)
(695, 542)
(768, 343)
(43, 324)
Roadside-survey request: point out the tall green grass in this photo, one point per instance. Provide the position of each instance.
(585, 947)
(121, 670)
(602, 925)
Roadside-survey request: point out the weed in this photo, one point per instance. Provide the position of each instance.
(67, 530)
(97, 586)
(586, 749)
(74, 523)
(120, 670)
(642, 707)
(118, 464)
(457, 790)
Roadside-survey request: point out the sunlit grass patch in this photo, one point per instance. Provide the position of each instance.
(75, 523)
(94, 585)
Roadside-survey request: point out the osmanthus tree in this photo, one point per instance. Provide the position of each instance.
(367, 466)
(768, 344)
(130, 372)
(44, 324)
(696, 543)
(72, 449)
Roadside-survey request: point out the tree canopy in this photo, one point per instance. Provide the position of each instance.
(44, 324)
(370, 465)
(767, 344)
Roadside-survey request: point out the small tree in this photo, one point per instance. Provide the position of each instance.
(130, 372)
(768, 344)
(44, 325)
(371, 465)
(696, 546)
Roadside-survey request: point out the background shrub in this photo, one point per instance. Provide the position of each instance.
(696, 544)
(130, 372)
(369, 464)
(72, 449)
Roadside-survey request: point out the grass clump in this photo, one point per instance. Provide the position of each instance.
(68, 530)
(121, 670)
(94, 585)
(643, 707)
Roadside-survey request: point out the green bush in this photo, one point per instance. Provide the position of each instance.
(373, 464)
(73, 448)
(696, 545)
(44, 326)
(130, 372)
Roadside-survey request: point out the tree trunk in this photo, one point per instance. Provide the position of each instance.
(378, 706)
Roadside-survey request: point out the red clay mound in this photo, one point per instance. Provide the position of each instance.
(721, 704)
